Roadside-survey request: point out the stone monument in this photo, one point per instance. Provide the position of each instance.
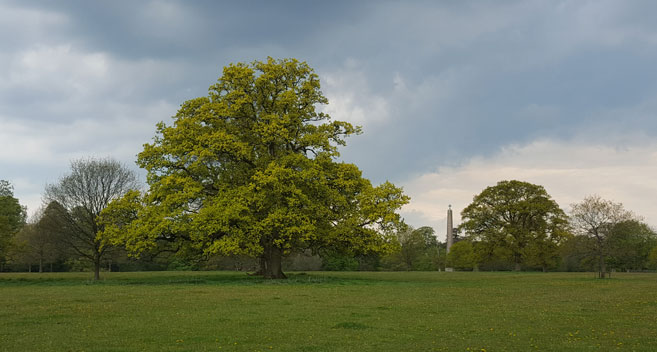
(450, 233)
(450, 229)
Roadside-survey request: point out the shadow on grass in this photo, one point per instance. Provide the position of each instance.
(165, 278)
(232, 278)
(350, 325)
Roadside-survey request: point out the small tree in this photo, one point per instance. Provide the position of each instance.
(414, 244)
(415, 249)
(462, 256)
(35, 246)
(595, 218)
(544, 252)
(38, 241)
(652, 258)
(76, 201)
(629, 244)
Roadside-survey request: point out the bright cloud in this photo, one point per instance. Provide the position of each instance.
(74, 104)
(351, 98)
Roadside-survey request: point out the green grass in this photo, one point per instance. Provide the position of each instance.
(416, 311)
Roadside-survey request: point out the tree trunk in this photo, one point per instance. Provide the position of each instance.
(96, 268)
(603, 268)
(517, 267)
(544, 267)
(273, 258)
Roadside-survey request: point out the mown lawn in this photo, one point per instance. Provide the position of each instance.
(415, 311)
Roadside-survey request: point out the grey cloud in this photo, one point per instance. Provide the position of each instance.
(432, 83)
(196, 30)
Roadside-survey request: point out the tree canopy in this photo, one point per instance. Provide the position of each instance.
(630, 243)
(12, 216)
(518, 216)
(596, 218)
(418, 248)
(462, 256)
(251, 169)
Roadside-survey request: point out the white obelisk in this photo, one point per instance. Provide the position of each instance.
(450, 229)
(450, 235)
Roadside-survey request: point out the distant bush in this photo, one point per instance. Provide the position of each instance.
(339, 262)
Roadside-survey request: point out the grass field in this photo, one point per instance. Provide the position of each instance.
(348, 311)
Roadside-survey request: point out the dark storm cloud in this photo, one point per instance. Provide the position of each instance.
(195, 30)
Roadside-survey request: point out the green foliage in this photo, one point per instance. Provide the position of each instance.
(629, 245)
(335, 261)
(251, 170)
(412, 245)
(76, 201)
(6, 189)
(413, 249)
(12, 217)
(182, 265)
(595, 218)
(625, 245)
(545, 254)
(652, 258)
(462, 256)
(518, 216)
(32, 245)
(576, 254)
(369, 262)
(430, 259)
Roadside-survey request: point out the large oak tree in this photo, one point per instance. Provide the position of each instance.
(251, 169)
(519, 217)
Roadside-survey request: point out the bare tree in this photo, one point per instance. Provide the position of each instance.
(595, 218)
(78, 198)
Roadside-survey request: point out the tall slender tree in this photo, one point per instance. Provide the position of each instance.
(12, 218)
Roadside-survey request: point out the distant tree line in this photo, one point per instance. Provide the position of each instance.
(511, 226)
(516, 225)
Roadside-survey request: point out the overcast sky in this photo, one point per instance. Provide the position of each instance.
(453, 96)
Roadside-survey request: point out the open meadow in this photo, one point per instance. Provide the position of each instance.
(328, 311)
